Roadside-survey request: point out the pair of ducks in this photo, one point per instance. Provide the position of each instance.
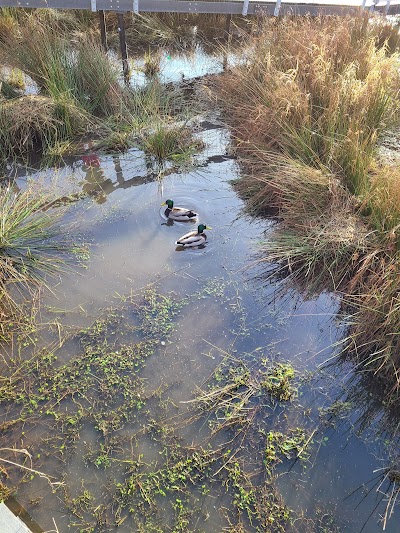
(181, 214)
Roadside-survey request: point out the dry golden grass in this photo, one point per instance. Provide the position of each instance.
(382, 202)
(307, 109)
(32, 124)
(318, 89)
(374, 339)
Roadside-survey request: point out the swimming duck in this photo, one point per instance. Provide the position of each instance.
(180, 214)
(194, 238)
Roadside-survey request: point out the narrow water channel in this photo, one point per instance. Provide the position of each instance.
(231, 310)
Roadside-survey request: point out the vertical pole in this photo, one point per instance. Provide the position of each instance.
(122, 42)
(228, 40)
(103, 30)
(228, 26)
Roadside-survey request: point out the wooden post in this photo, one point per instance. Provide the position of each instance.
(103, 30)
(228, 26)
(227, 39)
(122, 42)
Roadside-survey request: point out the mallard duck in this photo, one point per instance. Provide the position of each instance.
(193, 238)
(178, 213)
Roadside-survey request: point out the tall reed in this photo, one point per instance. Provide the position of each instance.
(318, 89)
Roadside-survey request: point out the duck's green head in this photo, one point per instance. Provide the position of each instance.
(202, 227)
(168, 203)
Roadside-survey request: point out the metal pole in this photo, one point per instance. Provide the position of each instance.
(122, 42)
(103, 30)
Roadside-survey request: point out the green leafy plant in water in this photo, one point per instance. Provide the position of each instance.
(290, 445)
(156, 313)
(279, 382)
(172, 142)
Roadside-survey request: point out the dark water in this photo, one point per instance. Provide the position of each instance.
(132, 246)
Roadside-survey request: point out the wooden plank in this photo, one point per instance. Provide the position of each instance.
(184, 6)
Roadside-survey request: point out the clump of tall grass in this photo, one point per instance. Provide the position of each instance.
(381, 203)
(374, 328)
(151, 64)
(80, 71)
(37, 124)
(166, 141)
(29, 252)
(320, 241)
(319, 89)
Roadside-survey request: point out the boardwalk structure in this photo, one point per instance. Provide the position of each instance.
(224, 7)
(228, 7)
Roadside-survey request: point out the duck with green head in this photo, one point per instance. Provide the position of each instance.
(180, 214)
(193, 238)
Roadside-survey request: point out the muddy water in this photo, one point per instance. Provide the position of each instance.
(131, 246)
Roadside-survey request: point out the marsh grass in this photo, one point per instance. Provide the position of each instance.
(81, 92)
(174, 30)
(30, 254)
(381, 203)
(32, 125)
(170, 142)
(79, 71)
(308, 108)
(279, 99)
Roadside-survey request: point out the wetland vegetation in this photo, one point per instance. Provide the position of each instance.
(183, 405)
(308, 108)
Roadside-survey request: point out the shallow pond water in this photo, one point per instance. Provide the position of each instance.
(132, 245)
(229, 309)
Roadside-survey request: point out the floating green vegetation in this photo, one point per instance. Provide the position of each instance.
(156, 312)
(279, 381)
(95, 408)
(339, 410)
(290, 445)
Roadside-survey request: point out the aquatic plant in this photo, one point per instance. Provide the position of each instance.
(102, 387)
(169, 141)
(278, 381)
